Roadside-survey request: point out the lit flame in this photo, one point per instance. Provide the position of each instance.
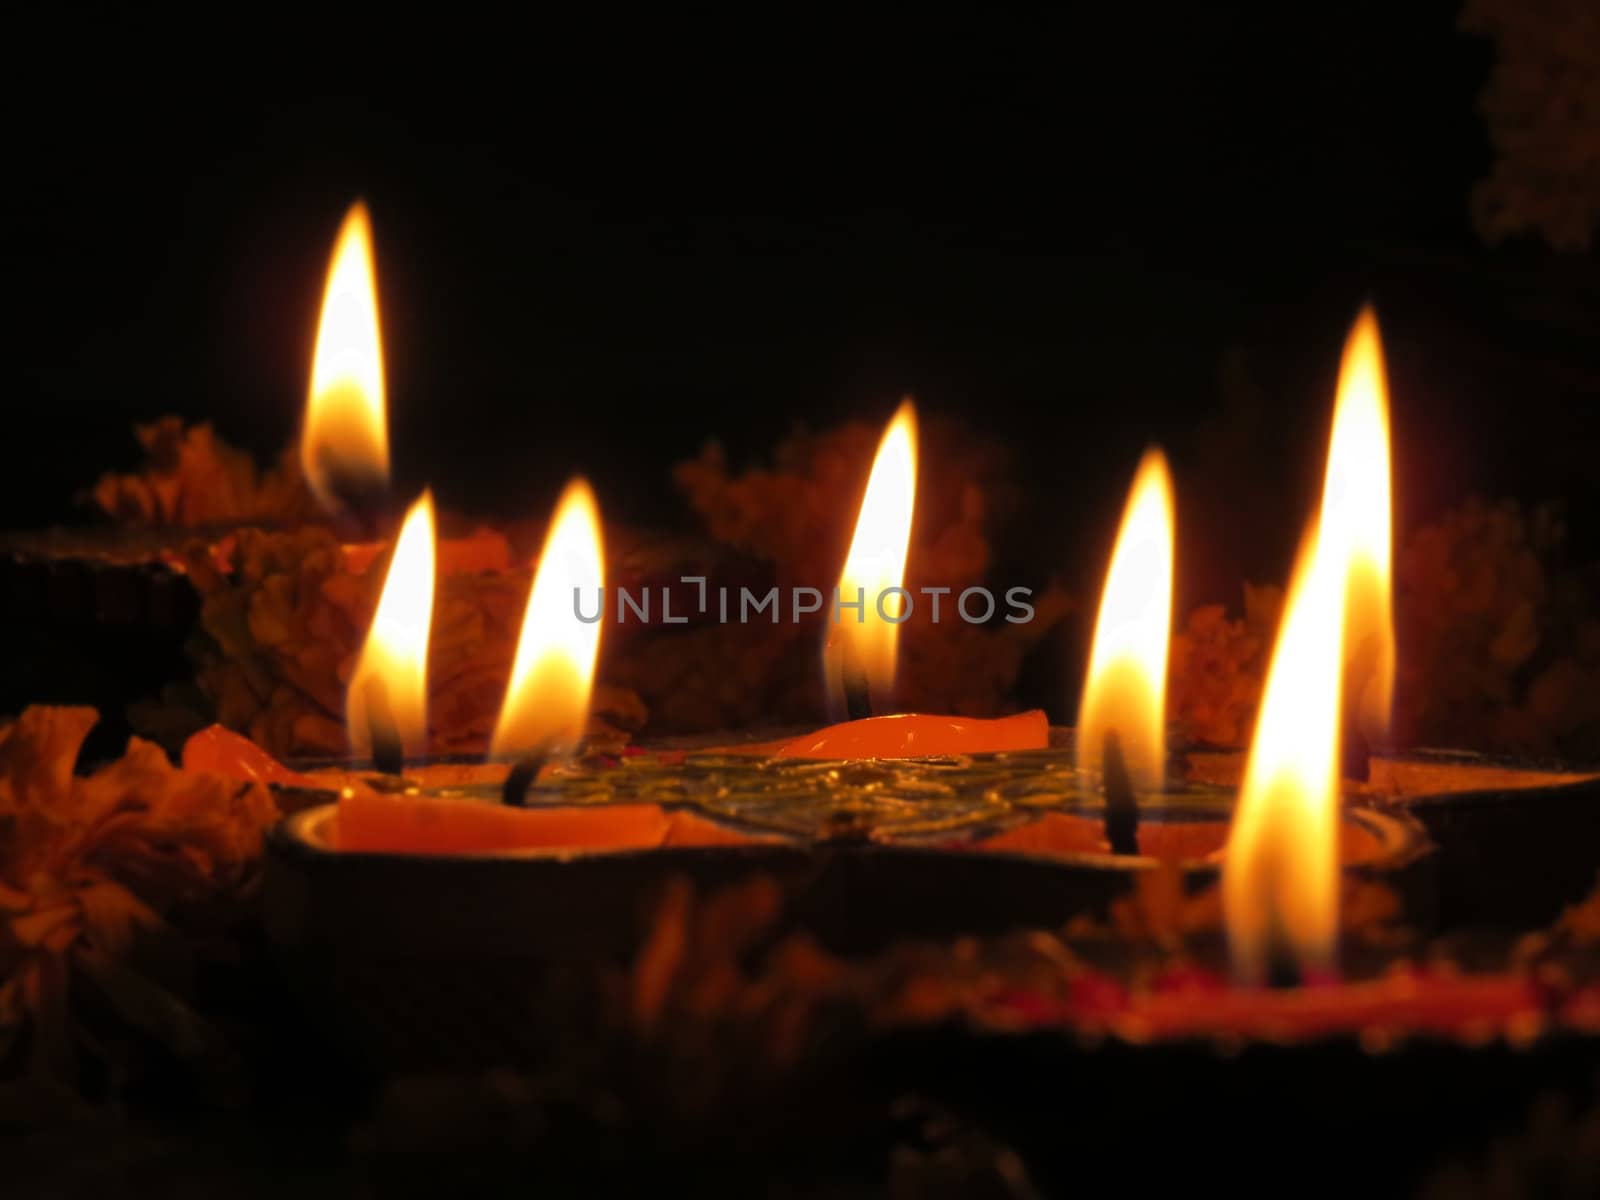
(1335, 656)
(1356, 525)
(392, 672)
(877, 562)
(346, 438)
(547, 700)
(1126, 686)
(1280, 878)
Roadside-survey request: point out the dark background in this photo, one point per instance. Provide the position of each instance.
(597, 251)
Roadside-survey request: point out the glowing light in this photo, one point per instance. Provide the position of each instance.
(1126, 685)
(390, 680)
(344, 447)
(868, 638)
(547, 700)
(1280, 878)
(1357, 524)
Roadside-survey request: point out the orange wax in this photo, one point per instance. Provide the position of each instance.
(420, 824)
(913, 735)
(403, 824)
(687, 829)
(436, 825)
(220, 751)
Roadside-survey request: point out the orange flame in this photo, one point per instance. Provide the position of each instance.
(547, 699)
(1280, 878)
(346, 436)
(394, 662)
(1335, 653)
(1356, 519)
(868, 637)
(1126, 685)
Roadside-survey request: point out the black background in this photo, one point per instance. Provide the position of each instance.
(599, 248)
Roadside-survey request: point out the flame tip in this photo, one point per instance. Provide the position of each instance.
(1154, 458)
(578, 485)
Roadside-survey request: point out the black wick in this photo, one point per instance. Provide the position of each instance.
(360, 494)
(857, 694)
(1122, 812)
(388, 754)
(1283, 969)
(514, 793)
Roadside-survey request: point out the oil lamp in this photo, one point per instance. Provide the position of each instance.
(1514, 837)
(1111, 808)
